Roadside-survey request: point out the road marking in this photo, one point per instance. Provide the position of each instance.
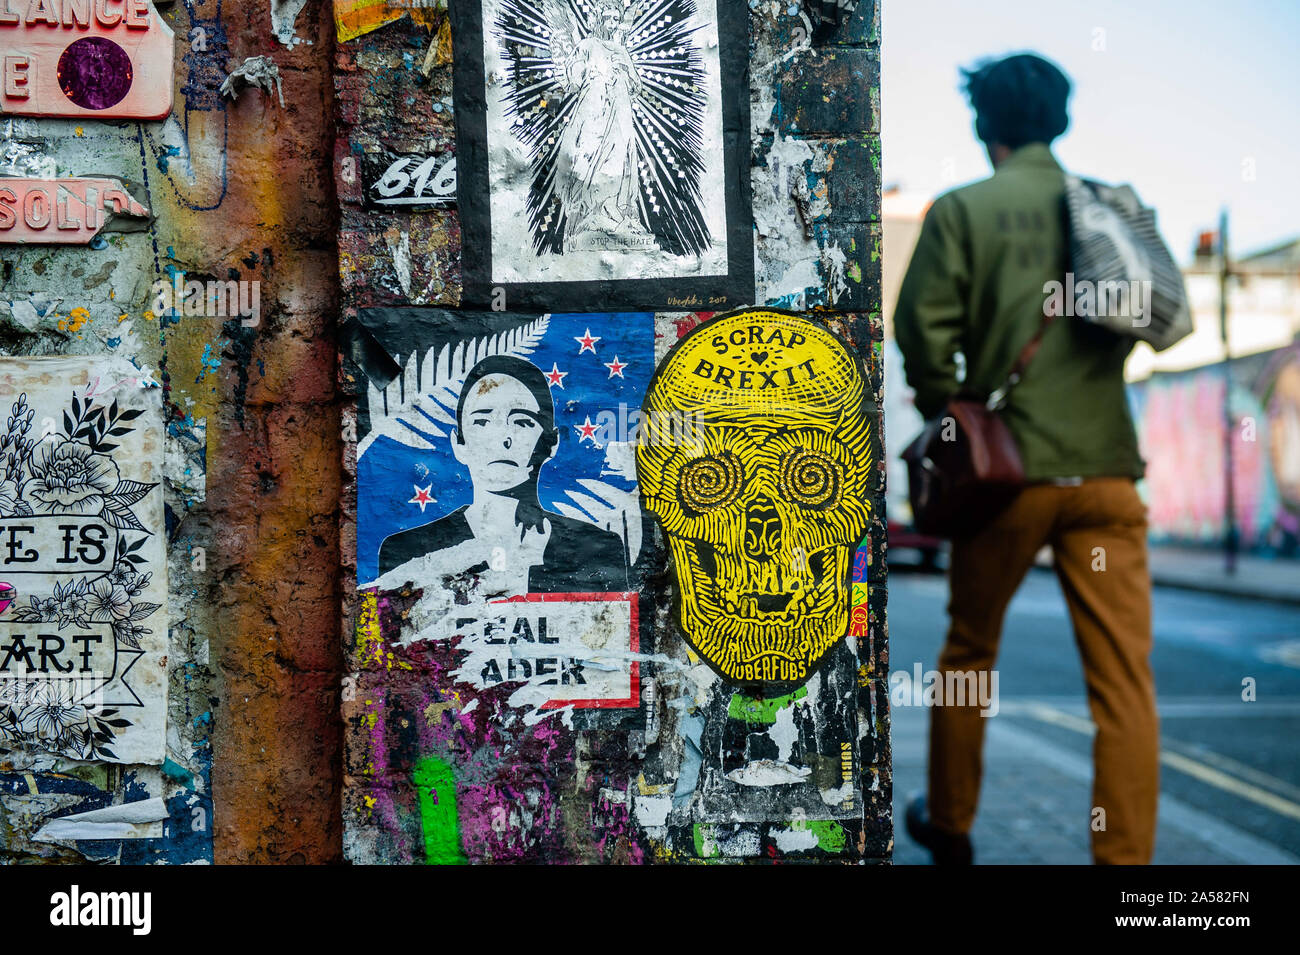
(1184, 764)
(1286, 653)
(1172, 707)
(1221, 780)
(1234, 768)
(1217, 836)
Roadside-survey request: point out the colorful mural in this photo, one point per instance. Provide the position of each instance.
(1181, 423)
(227, 613)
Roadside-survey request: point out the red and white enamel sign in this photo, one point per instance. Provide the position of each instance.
(67, 211)
(97, 59)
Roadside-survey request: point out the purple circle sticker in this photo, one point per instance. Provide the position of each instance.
(95, 73)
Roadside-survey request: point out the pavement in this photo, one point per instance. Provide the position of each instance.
(1194, 568)
(1230, 766)
(1261, 578)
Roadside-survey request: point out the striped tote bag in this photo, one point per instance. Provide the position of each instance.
(1122, 275)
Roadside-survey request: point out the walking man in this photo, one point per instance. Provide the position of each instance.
(975, 286)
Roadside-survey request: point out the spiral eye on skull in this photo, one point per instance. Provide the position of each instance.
(708, 483)
(810, 478)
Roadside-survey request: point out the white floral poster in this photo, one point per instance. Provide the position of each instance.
(83, 574)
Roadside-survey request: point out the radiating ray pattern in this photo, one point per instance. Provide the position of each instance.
(543, 52)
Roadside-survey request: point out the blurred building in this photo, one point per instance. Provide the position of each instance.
(1263, 309)
(901, 217)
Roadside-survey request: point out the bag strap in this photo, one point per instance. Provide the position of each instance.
(999, 397)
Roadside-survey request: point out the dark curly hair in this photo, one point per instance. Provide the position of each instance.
(1018, 99)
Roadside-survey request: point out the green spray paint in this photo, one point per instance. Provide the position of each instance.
(700, 842)
(756, 710)
(830, 835)
(436, 784)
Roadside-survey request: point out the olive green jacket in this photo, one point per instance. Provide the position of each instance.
(976, 286)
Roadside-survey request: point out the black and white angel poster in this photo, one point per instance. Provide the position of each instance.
(601, 145)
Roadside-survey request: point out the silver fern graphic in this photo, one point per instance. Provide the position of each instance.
(416, 405)
(607, 506)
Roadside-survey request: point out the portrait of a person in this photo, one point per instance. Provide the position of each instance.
(505, 434)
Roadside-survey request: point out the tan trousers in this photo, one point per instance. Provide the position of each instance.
(1097, 532)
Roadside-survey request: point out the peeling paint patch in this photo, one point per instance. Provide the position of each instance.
(209, 363)
(284, 17)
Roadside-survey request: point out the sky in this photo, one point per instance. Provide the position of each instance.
(1196, 104)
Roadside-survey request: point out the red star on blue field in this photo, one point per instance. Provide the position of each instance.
(587, 342)
(615, 367)
(423, 497)
(556, 377)
(586, 430)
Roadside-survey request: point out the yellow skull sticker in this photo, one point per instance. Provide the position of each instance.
(755, 456)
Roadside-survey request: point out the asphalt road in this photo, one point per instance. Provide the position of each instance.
(1230, 769)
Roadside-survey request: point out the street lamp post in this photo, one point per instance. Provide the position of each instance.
(1230, 539)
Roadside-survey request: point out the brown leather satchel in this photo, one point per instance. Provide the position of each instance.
(964, 468)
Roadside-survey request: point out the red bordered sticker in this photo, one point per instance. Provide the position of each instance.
(581, 648)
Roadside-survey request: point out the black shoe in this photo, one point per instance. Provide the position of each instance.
(947, 848)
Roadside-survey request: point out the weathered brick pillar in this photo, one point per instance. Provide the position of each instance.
(615, 550)
(274, 488)
(276, 746)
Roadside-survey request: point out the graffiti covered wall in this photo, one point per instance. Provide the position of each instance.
(167, 292)
(1181, 422)
(617, 533)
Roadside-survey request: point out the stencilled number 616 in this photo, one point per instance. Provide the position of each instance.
(433, 180)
